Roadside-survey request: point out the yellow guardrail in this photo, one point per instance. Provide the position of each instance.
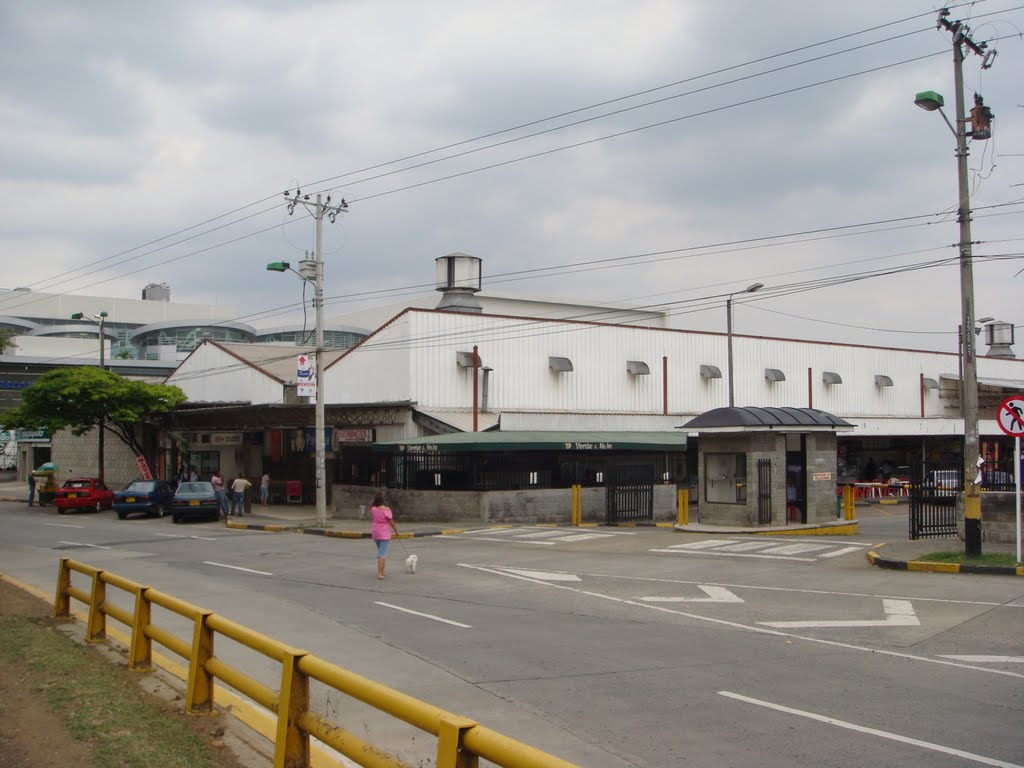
(461, 742)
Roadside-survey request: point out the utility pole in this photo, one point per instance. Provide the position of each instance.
(971, 489)
(101, 318)
(315, 275)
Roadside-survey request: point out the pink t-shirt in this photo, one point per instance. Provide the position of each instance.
(381, 530)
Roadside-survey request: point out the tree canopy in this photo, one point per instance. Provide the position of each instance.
(7, 339)
(85, 397)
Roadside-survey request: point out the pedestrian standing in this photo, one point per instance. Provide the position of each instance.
(238, 490)
(265, 489)
(383, 525)
(217, 481)
(32, 490)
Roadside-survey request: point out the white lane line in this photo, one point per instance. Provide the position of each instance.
(749, 627)
(828, 541)
(545, 534)
(898, 613)
(545, 575)
(79, 544)
(810, 591)
(424, 615)
(983, 659)
(63, 525)
(797, 549)
(735, 554)
(872, 731)
(838, 552)
(237, 568)
(186, 536)
(501, 541)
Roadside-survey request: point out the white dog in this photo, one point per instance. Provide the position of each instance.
(410, 563)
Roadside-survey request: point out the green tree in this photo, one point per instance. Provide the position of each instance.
(82, 398)
(7, 339)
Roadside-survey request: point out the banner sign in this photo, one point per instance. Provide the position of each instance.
(143, 468)
(305, 376)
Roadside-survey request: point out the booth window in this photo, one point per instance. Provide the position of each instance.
(725, 478)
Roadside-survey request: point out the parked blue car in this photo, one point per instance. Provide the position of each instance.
(150, 497)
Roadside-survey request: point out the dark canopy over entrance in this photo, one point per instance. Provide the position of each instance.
(752, 419)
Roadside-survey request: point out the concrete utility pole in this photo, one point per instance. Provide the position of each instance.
(972, 490)
(315, 274)
(101, 318)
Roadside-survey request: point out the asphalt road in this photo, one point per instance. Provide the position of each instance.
(607, 647)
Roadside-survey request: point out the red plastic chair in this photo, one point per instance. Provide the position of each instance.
(293, 492)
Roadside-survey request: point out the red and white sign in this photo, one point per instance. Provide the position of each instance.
(1010, 416)
(143, 468)
(305, 377)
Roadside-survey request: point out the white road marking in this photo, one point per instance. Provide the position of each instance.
(983, 659)
(843, 551)
(811, 591)
(79, 544)
(548, 533)
(186, 536)
(544, 575)
(872, 731)
(737, 554)
(583, 537)
(237, 568)
(748, 627)
(63, 525)
(796, 549)
(898, 613)
(714, 595)
(747, 546)
(502, 541)
(424, 615)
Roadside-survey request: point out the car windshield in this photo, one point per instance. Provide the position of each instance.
(194, 488)
(140, 486)
(77, 484)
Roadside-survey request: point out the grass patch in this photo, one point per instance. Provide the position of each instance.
(100, 704)
(994, 558)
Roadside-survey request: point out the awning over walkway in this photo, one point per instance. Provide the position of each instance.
(443, 422)
(752, 419)
(538, 441)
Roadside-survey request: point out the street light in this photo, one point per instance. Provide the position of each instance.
(728, 331)
(980, 119)
(101, 318)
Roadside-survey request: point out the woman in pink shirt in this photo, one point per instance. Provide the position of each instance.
(383, 525)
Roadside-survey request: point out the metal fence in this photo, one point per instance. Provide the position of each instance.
(460, 740)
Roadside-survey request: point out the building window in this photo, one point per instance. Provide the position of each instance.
(725, 478)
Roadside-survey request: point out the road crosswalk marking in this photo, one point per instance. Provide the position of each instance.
(541, 536)
(767, 548)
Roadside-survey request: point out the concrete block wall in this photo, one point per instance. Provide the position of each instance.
(821, 494)
(998, 518)
(78, 456)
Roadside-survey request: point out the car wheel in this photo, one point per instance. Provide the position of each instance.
(60, 510)
(160, 511)
(122, 515)
(176, 519)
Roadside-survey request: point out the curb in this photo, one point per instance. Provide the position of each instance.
(921, 565)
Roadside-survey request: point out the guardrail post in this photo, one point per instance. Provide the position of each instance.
(62, 601)
(96, 629)
(450, 753)
(140, 653)
(684, 506)
(199, 697)
(292, 743)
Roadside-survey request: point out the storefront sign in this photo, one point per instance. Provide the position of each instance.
(821, 475)
(5, 436)
(23, 435)
(353, 435)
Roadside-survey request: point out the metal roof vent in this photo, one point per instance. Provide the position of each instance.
(465, 359)
(882, 381)
(774, 374)
(638, 368)
(560, 364)
(458, 277)
(929, 383)
(831, 377)
(710, 372)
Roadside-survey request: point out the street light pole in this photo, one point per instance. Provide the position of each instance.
(980, 120)
(102, 318)
(728, 333)
(319, 208)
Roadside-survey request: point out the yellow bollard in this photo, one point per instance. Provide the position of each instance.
(683, 501)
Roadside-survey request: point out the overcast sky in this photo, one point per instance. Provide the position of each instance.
(149, 142)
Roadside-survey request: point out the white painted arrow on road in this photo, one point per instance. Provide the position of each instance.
(898, 613)
(714, 595)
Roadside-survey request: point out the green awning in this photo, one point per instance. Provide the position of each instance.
(463, 442)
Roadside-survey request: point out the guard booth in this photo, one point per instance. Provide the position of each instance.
(766, 466)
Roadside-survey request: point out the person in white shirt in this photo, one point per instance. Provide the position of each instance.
(238, 488)
(265, 489)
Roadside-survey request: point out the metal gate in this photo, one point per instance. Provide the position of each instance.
(764, 491)
(933, 493)
(629, 494)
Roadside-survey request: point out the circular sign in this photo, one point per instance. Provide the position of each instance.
(1010, 416)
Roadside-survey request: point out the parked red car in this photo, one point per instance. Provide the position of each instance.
(83, 493)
